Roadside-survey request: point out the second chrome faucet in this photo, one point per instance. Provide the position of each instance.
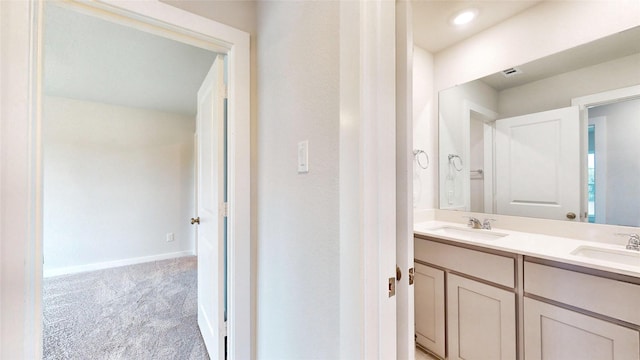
(475, 223)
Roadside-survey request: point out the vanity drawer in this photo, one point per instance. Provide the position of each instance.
(490, 267)
(609, 297)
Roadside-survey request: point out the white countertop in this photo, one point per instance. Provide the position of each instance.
(536, 245)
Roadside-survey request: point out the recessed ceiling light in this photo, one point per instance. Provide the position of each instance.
(464, 17)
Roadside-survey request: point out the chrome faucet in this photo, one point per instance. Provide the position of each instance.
(486, 224)
(634, 241)
(474, 223)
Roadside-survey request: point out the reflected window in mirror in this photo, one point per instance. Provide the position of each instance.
(591, 175)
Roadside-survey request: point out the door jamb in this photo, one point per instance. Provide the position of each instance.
(23, 141)
(488, 117)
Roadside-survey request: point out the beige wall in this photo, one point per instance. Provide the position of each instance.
(298, 214)
(557, 91)
(116, 181)
(425, 186)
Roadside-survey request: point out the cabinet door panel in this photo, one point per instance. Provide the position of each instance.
(554, 333)
(429, 308)
(481, 321)
(613, 298)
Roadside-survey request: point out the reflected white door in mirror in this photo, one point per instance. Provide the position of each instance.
(538, 164)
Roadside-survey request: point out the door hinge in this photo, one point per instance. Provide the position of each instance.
(224, 210)
(224, 92)
(411, 275)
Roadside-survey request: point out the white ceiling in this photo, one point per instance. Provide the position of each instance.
(433, 32)
(90, 59)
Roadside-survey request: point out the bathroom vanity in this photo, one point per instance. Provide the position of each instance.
(504, 294)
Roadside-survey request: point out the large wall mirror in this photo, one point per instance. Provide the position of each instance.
(556, 138)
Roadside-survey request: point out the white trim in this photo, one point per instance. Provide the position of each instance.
(21, 269)
(367, 179)
(115, 263)
(606, 97)
(378, 131)
(20, 168)
(489, 172)
(153, 20)
(2, 66)
(405, 315)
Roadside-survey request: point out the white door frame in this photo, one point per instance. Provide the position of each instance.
(489, 117)
(367, 179)
(21, 161)
(405, 313)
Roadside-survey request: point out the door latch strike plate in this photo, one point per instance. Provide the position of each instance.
(392, 286)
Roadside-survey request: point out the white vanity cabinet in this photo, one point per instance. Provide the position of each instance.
(481, 320)
(476, 303)
(429, 309)
(574, 315)
(479, 288)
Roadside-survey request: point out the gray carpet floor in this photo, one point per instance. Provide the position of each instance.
(144, 311)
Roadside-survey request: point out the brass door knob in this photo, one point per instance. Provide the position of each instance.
(571, 215)
(195, 220)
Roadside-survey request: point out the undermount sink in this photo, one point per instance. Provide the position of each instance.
(467, 233)
(626, 257)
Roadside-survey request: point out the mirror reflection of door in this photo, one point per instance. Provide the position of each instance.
(614, 164)
(537, 165)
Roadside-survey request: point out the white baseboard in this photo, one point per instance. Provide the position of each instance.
(111, 264)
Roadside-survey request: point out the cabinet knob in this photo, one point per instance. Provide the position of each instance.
(571, 215)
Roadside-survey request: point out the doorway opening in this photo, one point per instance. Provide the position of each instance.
(612, 129)
(609, 129)
(236, 213)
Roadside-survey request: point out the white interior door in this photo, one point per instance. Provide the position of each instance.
(210, 185)
(538, 165)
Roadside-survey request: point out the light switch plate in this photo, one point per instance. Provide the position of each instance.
(303, 157)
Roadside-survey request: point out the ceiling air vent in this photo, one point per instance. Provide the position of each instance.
(511, 72)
